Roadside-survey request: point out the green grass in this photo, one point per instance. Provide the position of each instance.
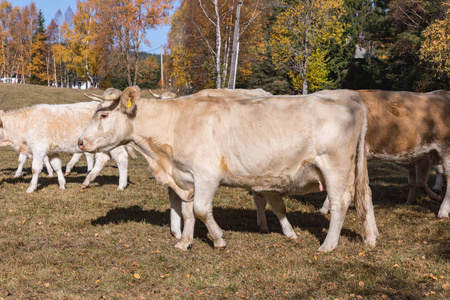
(101, 243)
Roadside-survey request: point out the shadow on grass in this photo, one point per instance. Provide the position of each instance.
(238, 220)
(45, 181)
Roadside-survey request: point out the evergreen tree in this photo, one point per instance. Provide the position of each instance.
(38, 53)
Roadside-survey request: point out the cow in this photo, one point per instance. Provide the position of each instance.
(46, 130)
(275, 145)
(410, 128)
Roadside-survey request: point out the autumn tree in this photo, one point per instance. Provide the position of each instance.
(80, 42)
(300, 38)
(38, 64)
(435, 48)
(201, 47)
(5, 13)
(123, 24)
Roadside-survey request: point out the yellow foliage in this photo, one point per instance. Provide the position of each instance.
(436, 47)
(300, 37)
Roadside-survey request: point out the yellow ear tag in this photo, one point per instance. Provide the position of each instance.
(128, 102)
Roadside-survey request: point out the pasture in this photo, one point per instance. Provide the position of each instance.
(100, 243)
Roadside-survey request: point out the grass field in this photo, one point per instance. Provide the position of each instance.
(101, 243)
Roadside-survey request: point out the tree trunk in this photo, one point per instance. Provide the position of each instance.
(218, 46)
(54, 72)
(235, 51)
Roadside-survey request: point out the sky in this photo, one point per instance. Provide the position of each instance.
(49, 8)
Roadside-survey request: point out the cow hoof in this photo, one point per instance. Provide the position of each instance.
(219, 249)
(66, 174)
(220, 243)
(50, 176)
(264, 229)
(326, 248)
(84, 186)
(62, 187)
(30, 190)
(183, 246)
(120, 188)
(292, 236)
(442, 215)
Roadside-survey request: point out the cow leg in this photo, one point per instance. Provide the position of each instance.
(277, 204)
(89, 161)
(444, 210)
(439, 184)
(75, 158)
(120, 156)
(411, 184)
(187, 236)
(203, 197)
(422, 172)
(36, 167)
(339, 203)
(48, 165)
(325, 206)
(260, 203)
(175, 214)
(22, 159)
(101, 158)
(57, 166)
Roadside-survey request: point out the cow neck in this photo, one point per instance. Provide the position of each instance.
(15, 124)
(153, 126)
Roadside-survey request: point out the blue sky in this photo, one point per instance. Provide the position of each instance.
(49, 8)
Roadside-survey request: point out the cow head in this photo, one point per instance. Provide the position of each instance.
(110, 126)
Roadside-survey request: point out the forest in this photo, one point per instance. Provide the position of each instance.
(282, 46)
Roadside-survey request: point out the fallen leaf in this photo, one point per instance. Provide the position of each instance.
(446, 286)
(46, 284)
(137, 276)
(361, 283)
(433, 277)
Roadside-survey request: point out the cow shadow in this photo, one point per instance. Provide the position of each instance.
(229, 219)
(77, 176)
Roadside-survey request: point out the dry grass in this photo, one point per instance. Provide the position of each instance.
(101, 243)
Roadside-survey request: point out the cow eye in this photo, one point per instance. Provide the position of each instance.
(103, 116)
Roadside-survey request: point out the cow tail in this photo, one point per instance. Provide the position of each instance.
(363, 193)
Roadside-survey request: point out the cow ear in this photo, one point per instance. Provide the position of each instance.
(128, 99)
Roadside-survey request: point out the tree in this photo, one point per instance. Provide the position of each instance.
(39, 66)
(300, 37)
(435, 48)
(201, 47)
(123, 24)
(81, 42)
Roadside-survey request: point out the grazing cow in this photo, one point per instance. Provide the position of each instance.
(410, 128)
(274, 145)
(45, 130)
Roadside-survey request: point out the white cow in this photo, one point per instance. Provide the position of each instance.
(46, 130)
(274, 145)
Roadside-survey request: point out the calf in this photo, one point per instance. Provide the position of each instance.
(274, 145)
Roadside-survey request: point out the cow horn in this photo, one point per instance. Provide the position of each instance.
(93, 97)
(154, 95)
(109, 94)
